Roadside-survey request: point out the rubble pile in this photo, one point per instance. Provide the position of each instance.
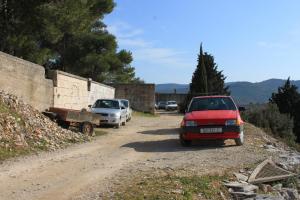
(22, 126)
(272, 186)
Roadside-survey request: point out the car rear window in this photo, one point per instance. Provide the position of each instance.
(215, 103)
(113, 104)
(126, 104)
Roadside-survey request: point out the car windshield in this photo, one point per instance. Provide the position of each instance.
(171, 102)
(113, 104)
(162, 103)
(217, 103)
(125, 103)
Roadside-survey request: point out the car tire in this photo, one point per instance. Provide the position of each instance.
(124, 123)
(87, 128)
(118, 125)
(240, 141)
(185, 143)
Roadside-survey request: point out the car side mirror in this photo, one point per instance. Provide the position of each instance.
(122, 108)
(242, 108)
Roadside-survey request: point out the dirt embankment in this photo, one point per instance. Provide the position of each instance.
(89, 170)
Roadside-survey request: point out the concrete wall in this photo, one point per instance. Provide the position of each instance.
(75, 92)
(25, 80)
(141, 96)
(179, 98)
(100, 91)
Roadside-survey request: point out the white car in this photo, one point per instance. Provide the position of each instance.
(126, 103)
(171, 105)
(112, 112)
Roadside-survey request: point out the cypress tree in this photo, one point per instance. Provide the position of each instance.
(199, 80)
(206, 79)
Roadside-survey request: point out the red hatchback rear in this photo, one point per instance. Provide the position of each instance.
(212, 117)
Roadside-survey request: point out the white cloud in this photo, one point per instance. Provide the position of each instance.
(162, 56)
(124, 30)
(133, 42)
(131, 38)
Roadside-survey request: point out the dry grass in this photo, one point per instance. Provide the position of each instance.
(171, 186)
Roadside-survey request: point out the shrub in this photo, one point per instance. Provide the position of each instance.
(271, 120)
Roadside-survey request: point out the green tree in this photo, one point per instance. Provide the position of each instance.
(206, 78)
(215, 78)
(20, 29)
(67, 35)
(199, 84)
(287, 99)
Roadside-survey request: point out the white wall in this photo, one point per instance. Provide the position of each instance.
(71, 91)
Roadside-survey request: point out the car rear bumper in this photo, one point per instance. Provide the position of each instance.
(110, 121)
(228, 132)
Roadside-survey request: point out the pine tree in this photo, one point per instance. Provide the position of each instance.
(287, 99)
(66, 35)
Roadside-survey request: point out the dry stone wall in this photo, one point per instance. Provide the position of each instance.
(141, 96)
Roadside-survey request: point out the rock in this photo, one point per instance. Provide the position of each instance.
(277, 187)
(292, 193)
(241, 177)
(241, 187)
(266, 188)
(266, 197)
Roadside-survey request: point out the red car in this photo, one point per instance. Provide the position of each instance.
(212, 117)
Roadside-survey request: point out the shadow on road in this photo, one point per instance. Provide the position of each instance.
(173, 145)
(171, 131)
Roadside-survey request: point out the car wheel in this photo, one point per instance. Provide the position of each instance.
(118, 125)
(87, 128)
(124, 123)
(185, 143)
(240, 141)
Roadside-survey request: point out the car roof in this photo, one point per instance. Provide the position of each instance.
(212, 96)
(108, 99)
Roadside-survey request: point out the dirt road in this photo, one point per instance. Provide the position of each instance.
(82, 170)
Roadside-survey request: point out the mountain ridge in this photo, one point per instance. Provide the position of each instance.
(244, 92)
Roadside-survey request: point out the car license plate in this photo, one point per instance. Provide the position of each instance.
(211, 130)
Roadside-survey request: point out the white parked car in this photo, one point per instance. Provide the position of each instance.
(126, 103)
(171, 105)
(112, 112)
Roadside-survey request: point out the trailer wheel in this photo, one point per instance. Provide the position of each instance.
(63, 124)
(87, 128)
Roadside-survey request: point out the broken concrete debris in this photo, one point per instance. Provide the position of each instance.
(22, 126)
(267, 171)
(261, 179)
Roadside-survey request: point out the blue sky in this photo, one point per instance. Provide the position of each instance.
(251, 40)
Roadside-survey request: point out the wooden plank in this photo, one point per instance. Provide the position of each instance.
(253, 177)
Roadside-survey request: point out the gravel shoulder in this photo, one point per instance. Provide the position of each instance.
(146, 143)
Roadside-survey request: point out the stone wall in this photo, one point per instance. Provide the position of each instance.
(141, 96)
(75, 92)
(26, 80)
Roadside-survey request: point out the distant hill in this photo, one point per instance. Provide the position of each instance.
(243, 92)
